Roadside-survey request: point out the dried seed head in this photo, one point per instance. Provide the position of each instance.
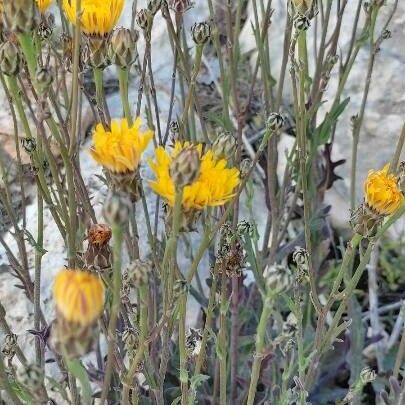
(98, 256)
(224, 146)
(144, 19)
(154, 6)
(201, 32)
(21, 15)
(116, 209)
(44, 79)
(275, 122)
(9, 59)
(138, 273)
(31, 377)
(122, 47)
(185, 167)
(302, 23)
(277, 278)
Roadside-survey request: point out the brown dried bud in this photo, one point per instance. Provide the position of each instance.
(201, 32)
(185, 167)
(98, 256)
(122, 47)
(9, 59)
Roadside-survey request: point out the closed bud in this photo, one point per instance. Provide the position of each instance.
(180, 6)
(138, 273)
(20, 15)
(301, 257)
(122, 47)
(96, 52)
(275, 122)
(290, 325)
(224, 146)
(45, 30)
(154, 6)
(9, 346)
(302, 23)
(277, 278)
(9, 59)
(144, 19)
(193, 341)
(201, 32)
(185, 167)
(174, 127)
(29, 145)
(116, 209)
(44, 79)
(245, 167)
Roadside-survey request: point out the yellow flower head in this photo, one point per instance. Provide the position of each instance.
(43, 5)
(382, 193)
(79, 296)
(214, 186)
(98, 16)
(120, 149)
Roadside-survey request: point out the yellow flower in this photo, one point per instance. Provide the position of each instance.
(79, 296)
(119, 149)
(43, 5)
(382, 193)
(98, 16)
(214, 186)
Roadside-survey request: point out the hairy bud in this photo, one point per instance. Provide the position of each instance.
(122, 47)
(9, 59)
(185, 167)
(275, 122)
(224, 146)
(201, 32)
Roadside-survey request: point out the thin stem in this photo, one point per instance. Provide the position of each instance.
(123, 75)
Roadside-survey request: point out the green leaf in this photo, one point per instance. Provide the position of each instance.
(323, 132)
(77, 369)
(31, 240)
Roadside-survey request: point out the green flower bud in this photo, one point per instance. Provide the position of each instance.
(144, 19)
(201, 32)
(185, 167)
(275, 122)
(96, 52)
(21, 15)
(224, 146)
(9, 59)
(116, 209)
(277, 278)
(122, 47)
(138, 273)
(44, 79)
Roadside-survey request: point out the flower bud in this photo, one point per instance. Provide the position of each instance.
(20, 15)
(154, 6)
(138, 273)
(44, 79)
(116, 209)
(185, 167)
(277, 278)
(290, 325)
(201, 32)
(174, 127)
(122, 47)
(180, 6)
(193, 341)
(9, 59)
(29, 145)
(300, 257)
(224, 146)
(96, 52)
(302, 23)
(9, 346)
(275, 122)
(143, 19)
(245, 167)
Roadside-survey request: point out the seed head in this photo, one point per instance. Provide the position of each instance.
(201, 32)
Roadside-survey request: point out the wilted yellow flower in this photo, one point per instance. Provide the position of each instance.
(79, 296)
(214, 186)
(120, 149)
(382, 193)
(98, 16)
(43, 5)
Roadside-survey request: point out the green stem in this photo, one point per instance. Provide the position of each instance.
(182, 349)
(77, 370)
(223, 344)
(117, 233)
(98, 81)
(260, 347)
(123, 76)
(29, 51)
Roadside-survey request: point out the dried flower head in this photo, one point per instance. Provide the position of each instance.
(214, 186)
(43, 5)
(79, 296)
(120, 148)
(381, 192)
(98, 16)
